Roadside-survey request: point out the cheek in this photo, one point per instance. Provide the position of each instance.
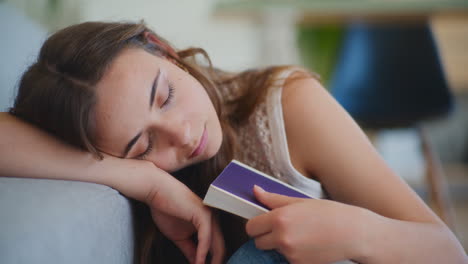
(192, 91)
(201, 101)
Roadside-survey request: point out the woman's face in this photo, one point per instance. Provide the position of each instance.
(148, 108)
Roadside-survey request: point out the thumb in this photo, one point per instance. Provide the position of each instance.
(273, 200)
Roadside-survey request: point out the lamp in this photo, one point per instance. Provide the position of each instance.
(389, 75)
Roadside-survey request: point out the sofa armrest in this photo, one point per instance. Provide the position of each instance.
(52, 221)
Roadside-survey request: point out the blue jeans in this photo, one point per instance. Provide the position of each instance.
(249, 254)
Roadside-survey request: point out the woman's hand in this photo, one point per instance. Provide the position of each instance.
(175, 209)
(179, 213)
(309, 230)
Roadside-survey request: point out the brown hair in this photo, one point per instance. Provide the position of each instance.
(56, 93)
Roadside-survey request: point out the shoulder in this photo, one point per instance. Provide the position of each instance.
(318, 129)
(301, 87)
(299, 81)
(301, 96)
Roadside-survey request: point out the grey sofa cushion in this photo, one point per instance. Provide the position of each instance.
(51, 221)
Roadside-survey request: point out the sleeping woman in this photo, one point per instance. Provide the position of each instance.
(116, 104)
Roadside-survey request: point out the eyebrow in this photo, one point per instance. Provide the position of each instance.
(132, 142)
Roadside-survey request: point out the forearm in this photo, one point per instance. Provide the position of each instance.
(394, 241)
(26, 151)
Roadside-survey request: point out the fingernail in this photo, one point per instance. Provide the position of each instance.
(260, 189)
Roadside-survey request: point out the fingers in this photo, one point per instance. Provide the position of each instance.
(259, 225)
(217, 243)
(273, 200)
(204, 235)
(266, 242)
(262, 224)
(188, 249)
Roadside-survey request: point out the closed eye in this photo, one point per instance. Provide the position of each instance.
(148, 149)
(170, 96)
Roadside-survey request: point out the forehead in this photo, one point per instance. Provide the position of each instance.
(129, 63)
(122, 98)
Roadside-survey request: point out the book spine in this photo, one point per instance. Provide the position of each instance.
(221, 199)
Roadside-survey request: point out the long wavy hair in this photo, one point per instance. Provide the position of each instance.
(57, 94)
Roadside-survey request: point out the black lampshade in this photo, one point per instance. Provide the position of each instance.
(390, 74)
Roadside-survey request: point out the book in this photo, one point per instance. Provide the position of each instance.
(232, 190)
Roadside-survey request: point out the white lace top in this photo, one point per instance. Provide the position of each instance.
(264, 144)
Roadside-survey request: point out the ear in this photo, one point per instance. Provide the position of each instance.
(152, 38)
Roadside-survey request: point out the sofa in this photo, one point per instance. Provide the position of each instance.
(53, 221)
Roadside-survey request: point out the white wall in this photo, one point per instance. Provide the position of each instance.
(232, 43)
(18, 49)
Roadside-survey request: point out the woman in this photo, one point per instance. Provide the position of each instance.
(123, 94)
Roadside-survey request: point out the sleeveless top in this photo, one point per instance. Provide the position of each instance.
(263, 141)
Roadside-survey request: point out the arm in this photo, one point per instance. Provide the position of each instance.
(395, 226)
(26, 151)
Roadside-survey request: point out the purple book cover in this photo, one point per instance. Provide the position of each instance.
(239, 179)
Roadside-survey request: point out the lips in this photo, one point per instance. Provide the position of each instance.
(201, 145)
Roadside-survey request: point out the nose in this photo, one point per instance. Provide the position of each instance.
(177, 132)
